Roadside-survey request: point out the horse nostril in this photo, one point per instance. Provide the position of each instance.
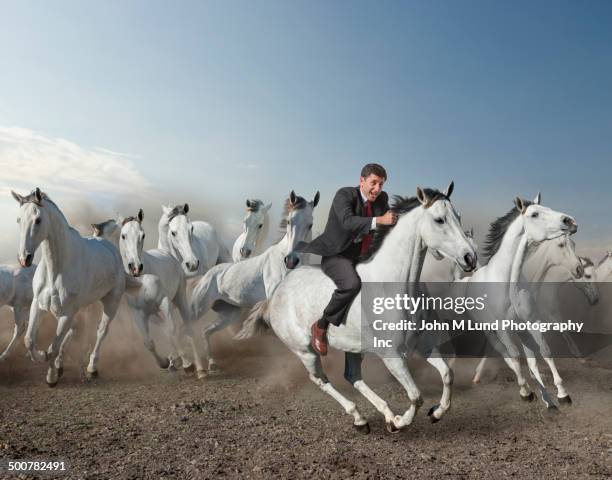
(131, 266)
(141, 267)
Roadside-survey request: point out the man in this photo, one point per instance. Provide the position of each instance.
(354, 214)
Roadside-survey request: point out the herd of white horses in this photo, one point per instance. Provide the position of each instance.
(191, 272)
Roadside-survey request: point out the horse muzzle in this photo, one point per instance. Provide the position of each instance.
(26, 261)
(292, 261)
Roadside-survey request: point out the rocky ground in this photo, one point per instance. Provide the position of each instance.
(264, 419)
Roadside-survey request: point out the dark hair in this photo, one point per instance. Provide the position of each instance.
(374, 168)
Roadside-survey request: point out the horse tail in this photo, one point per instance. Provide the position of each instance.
(257, 322)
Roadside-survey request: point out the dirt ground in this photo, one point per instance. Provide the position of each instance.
(263, 418)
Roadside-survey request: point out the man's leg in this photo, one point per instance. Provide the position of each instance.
(342, 271)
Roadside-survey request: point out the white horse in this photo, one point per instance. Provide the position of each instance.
(558, 254)
(506, 249)
(73, 272)
(243, 284)
(205, 242)
(169, 287)
(16, 292)
(146, 294)
(427, 220)
(255, 229)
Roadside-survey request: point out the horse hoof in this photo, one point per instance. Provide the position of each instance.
(190, 369)
(201, 374)
(567, 400)
(91, 375)
(391, 428)
(52, 384)
(365, 428)
(528, 398)
(165, 364)
(60, 372)
(431, 416)
(552, 409)
(476, 381)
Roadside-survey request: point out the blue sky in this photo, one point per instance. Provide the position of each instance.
(223, 100)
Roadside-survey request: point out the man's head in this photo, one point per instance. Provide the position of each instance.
(373, 177)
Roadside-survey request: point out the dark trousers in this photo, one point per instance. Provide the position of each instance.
(341, 270)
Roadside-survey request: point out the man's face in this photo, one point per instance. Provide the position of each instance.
(371, 186)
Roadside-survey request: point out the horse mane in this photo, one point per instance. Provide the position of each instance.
(586, 261)
(401, 205)
(498, 229)
(100, 227)
(31, 198)
(255, 205)
(175, 212)
(288, 207)
(126, 220)
(606, 256)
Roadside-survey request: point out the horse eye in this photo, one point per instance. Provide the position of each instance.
(143, 236)
(439, 221)
(37, 221)
(123, 237)
(534, 215)
(309, 227)
(260, 226)
(174, 234)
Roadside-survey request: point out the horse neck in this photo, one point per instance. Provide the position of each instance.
(508, 260)
(55, 249)
(604, 270)
(401, 255)
(543, 265)
(162, 235)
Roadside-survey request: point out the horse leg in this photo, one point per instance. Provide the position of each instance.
(479, 370)
(142, 321)
(180, 301)
(398, 368)
(229, 315)
(502, 342)
(32, 333)
(435, 413)
(312, 363)
(542, 346)
(110, 305)
(59, 360)
(532, 363)
(63, 326)
(352, 374)
(20, 315)
(203, 297)
(174, 337)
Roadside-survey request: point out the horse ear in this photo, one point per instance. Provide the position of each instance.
(96, 230)
(120, 220)
(267, 207)
(316, 199)
(449, 189)
(472, 232)
(248, 203)
(186, 208)
(166, 210)
(140, 215)
(518, 201)
(17, 197)
(38, 195)
(292, 197)
(537, 199)
(422, 196)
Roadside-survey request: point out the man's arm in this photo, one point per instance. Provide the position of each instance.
(343, 209)
(385, 199)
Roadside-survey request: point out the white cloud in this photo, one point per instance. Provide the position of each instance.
(29, 159)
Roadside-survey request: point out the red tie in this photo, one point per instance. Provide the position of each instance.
(366, 241)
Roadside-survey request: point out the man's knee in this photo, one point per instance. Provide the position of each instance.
(353, 284)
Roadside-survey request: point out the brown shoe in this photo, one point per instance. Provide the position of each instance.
(319, 339)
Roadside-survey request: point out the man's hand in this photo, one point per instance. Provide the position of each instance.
(388, 218)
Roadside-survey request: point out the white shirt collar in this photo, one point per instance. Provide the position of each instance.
(363, 197)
